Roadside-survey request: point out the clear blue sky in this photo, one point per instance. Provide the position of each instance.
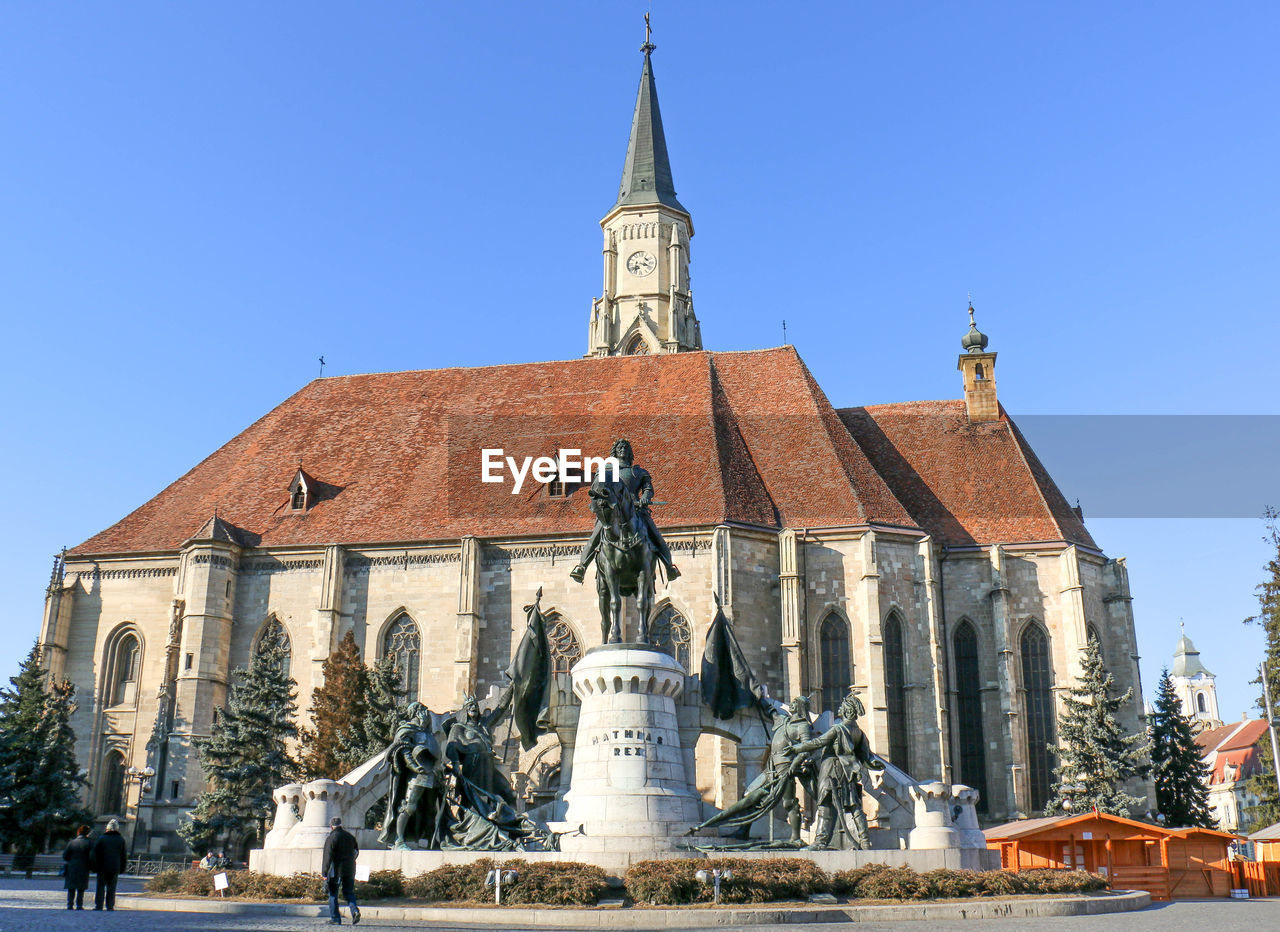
(197, 200)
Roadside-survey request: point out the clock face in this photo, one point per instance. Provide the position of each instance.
(641, 263)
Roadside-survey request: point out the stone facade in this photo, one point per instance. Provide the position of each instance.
(213, 600)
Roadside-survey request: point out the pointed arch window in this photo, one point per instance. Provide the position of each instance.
(895, 687)
(669, 632)
(565, 648)
(273, 631)
(126, 662)
(833, 645)
(970, 741)
(1037, 683)
(403, 643)
(112, 798)
(1201, 705)
(636, 346)
(1095, 636)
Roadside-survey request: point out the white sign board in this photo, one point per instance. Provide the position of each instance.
(1087, 836)
(220, 881)
(362, 872)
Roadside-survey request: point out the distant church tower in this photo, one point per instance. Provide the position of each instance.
(646, 306)
(1195, 686)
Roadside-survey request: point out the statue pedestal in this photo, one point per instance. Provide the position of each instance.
(629, 777)
(933, 817)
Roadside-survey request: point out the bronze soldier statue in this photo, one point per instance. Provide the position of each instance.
(415, 785)
(845, 756)
(636, 486)
(776, 784)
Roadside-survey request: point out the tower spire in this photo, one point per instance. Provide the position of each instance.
(646, 305)
(646, 173)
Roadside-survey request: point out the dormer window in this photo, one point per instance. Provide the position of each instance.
(300, 497)
(555, 488)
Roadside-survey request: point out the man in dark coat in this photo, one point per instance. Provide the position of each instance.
(79, 858)
(110, 858)
(339, 865)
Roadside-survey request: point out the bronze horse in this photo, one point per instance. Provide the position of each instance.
(624, 565)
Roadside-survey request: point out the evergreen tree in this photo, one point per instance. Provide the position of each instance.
(1262, 785)
(372, 733)
(335, 708)
(246, 756)
(1095, 756)
(1181, 778)
(40, 781)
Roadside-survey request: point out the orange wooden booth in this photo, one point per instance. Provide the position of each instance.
(1167, 863)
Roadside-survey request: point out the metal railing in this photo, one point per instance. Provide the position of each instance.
(151, 864)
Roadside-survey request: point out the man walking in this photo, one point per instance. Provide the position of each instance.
(110, 858)
(339, 865)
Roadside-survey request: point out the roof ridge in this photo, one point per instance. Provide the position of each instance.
(579, 360)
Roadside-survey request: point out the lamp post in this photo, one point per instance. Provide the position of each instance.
(716, 876)
(496, 878)
(141, 777)
(1271, 725)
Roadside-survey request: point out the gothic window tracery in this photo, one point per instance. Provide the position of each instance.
(636, 346)
(565, 649)
(970, 740)
(1037, 683)
(126, 662)
(895, 687)
(669, 632)
(833, 641)
(403, 643)
(273, 632)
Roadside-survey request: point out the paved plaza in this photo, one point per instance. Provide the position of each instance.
(38, 906)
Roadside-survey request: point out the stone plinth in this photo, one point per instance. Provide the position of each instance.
(933, 817)
(966, 820)
(629, 787)
(288, 801)
(322, 800)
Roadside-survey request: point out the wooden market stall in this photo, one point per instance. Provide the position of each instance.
(1167, 863)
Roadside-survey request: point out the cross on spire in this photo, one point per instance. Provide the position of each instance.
(648, 32)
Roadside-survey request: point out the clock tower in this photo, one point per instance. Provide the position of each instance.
(646, 306)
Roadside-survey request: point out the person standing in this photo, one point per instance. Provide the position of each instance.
(339, 865)
(110, 858)
(79, 858)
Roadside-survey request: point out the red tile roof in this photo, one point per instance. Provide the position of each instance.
(965, 483)
(1234, 745)
(740, 437)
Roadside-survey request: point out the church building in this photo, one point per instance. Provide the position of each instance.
(918, 551)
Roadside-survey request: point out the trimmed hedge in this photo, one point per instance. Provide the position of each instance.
(659, 883)
(755, 880)
(549, 883)
(196, 882)
(882, 882)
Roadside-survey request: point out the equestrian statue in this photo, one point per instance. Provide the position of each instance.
(625, 544)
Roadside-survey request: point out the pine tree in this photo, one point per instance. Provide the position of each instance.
(1181, 778)
(246, 756)
(40, 780)
(335, 708)
(1095, 757)
(372, 734)
(1262, 785)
